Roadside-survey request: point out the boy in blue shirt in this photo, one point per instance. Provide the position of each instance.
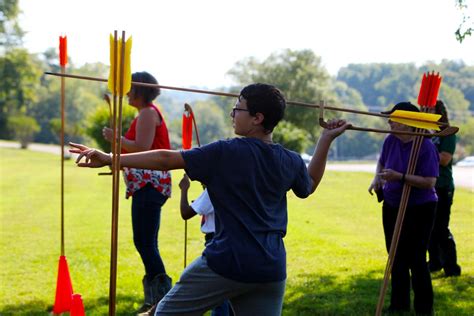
(247, 179)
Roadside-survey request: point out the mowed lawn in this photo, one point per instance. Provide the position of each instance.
(335, 244)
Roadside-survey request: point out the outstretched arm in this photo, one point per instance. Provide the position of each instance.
(317, 165)
(160, 159)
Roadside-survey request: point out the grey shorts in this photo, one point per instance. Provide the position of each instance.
(200, 289)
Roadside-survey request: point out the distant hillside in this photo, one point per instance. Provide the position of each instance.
(173, 101)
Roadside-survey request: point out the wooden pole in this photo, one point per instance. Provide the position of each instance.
(226, 94)
(63, 122)
(113, 251)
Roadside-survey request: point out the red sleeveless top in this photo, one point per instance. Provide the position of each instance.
(161, 140)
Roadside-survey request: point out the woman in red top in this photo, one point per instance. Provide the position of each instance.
(149, 189)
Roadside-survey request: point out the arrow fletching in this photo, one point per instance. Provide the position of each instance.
(429, 89)
(187, 129)
(127, 79)
(63, 50)
(411, 118)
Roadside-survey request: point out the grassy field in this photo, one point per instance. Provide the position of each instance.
(335, 244)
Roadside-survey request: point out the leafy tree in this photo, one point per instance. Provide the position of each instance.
(465, 28)
(10, 32)
(381, 85)
(100, 118)
(301, 77)
(294, 138)
(81, 98)
(18, 85)
(354, 144)
(23, 128)
(466, 137)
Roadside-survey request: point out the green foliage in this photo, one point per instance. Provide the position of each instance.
(381, 85)
(102, 118)
(301, 77)
(18, 85)
(465, 28)
(465, 136)
(291, 137)
(335, 245)
(23, 129)
(10, 32)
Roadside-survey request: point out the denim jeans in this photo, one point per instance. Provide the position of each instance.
(146, 213)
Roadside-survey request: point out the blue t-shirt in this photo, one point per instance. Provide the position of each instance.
(247, 181)
(395, 155)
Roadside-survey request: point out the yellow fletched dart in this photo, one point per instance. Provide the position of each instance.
(127, 79)
(413, 119)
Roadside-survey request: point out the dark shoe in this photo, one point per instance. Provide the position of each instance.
(455, 271)
(150, 311)
(143, 309)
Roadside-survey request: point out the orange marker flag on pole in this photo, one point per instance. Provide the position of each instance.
(63, 50)
(63, 297)
(187, 129)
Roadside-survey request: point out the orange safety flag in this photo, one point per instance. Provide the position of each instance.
(187, 129)
(63, 50)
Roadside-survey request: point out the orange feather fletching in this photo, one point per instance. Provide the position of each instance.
(429, 90)
(187, 129)
(63, 50)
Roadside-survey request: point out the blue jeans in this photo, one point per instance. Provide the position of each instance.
(200, 289)
(146, 213)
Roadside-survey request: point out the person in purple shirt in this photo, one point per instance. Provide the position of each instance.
(247, 179)
(390, 177)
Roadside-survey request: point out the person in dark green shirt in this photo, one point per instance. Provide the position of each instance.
(442, 248)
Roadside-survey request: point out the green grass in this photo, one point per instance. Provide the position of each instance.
(335, 243)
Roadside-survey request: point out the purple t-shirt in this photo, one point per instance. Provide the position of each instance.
(395, 155)
(247, 181)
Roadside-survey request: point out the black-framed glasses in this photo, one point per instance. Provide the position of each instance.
(232, 113)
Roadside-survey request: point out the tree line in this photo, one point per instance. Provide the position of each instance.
(30, 109)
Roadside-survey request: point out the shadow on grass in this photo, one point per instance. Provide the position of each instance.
(307, 294)
(126, 305)
(326, 295)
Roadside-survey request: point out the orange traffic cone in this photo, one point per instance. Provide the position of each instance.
(77, 307)
(62, 302)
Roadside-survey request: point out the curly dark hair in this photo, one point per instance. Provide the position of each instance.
(148, 93)
(266, 99)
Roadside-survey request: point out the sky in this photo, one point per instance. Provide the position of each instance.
(196, 42)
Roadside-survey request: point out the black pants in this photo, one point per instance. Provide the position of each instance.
(411, 256)
(442, 248)
(146, 214)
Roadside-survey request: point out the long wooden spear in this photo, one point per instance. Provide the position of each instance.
(429, 120)
(120, 71)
